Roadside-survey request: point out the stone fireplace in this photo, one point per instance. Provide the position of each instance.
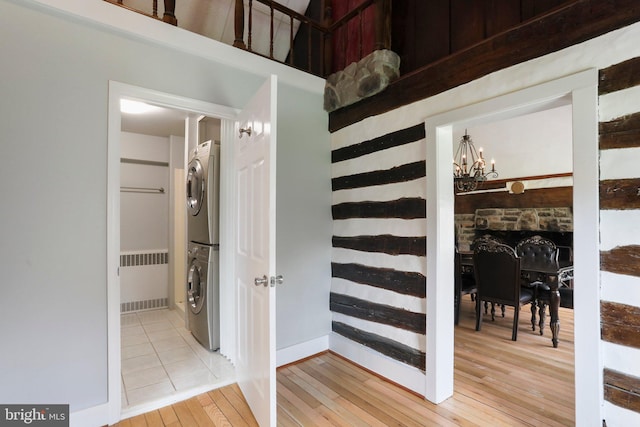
(513, 224)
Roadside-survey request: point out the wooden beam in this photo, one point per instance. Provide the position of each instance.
(386, 243)
(405, 208)
(386, 346)
(621, 260)
(622, 132)
(393, 139)
(620, 194)
(402, 282)
(566, 26)
(619, 76)
(538, 198)
(402, 173)
(620, 323)
(379, 313)
(622, 390)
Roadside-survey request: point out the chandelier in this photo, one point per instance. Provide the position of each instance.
(469, 166)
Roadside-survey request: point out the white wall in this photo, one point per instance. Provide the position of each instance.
(530, 145)
(53, 182)
(144, 216)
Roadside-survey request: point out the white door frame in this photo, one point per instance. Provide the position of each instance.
(580, 90)
(117, 91)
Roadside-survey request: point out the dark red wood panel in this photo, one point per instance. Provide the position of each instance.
(467, 23)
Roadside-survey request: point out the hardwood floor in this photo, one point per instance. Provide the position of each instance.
(497, 382)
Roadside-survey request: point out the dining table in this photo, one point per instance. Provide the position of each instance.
(555, 274)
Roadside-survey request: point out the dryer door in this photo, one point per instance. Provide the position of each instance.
(195, 187)
(196, 287)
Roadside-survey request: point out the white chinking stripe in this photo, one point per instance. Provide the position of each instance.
(395, 226)
(620, 288)
(617, 104)
(377, 295)
(619, 228)
(381, 193)
(402, 336)
(409, 263)
(619, 163)
(621, 358)
(381, 160)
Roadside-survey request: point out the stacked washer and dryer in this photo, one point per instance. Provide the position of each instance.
(203, 256)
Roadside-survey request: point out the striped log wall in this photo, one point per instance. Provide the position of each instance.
(378, 250)
(619, 93)
(379, 244)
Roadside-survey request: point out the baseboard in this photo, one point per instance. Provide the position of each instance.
(404, 375)
(93, 416)
(301, 351)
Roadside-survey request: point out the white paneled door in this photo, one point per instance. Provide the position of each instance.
(255, 252)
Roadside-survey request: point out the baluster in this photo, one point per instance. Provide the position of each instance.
(169, 15)
(309, 45)
(291, 39)
(271, 34)
(382, 23)
(360, 35)
(250, 24)
(155, 8)
(239, 25)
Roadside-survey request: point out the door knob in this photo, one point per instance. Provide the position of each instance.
(264, 281)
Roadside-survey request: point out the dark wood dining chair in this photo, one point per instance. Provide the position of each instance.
(537, 249)
(464, 284)
(497, 273)
(479, 240)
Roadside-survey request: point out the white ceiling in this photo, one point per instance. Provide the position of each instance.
(161, 122)
(214, 19)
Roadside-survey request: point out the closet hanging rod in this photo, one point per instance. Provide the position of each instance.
(141, 190)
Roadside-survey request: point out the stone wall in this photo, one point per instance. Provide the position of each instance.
(361, 79)
(468, 226)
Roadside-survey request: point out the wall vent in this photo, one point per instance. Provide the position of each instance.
(150, 304)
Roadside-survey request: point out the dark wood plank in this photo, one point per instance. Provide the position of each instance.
(620, 323)
(622, 390)
(405, 208)
(621, 260)
(402, 173)
(390, 140)
(622, 132)
(568, 25)
(379, 313)
(402, 282)
(384, 243)
(619, 76)
(540, 198)
(384, 345)
(620, 194)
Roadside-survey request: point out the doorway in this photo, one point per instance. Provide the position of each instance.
(581, 91)
(195, 109)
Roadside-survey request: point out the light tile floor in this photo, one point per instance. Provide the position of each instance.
(161, 358)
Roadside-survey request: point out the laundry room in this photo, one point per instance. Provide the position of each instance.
(153, 213)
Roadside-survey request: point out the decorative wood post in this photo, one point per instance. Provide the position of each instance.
(169, 15)
(382, 18)
(239, 25)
